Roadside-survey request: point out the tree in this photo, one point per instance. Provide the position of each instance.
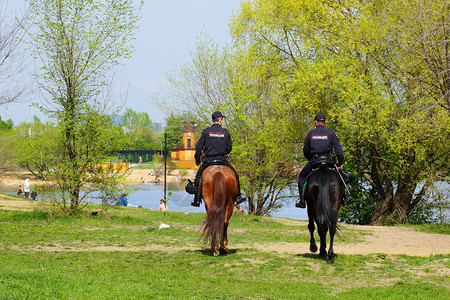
(6, 126)
(203, 84)
(12, 83)
(137, 127)
(262, 146)
(174, 127)
(7, 143)
(78, 43)
(35, 147)
(11, 59)
(348, 59)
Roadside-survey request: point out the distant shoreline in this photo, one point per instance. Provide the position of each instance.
(14, 179)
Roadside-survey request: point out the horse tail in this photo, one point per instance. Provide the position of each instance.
(325, 215)
(214, 224)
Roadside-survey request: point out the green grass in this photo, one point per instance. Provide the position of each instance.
(147, 165)
(441, 229)
(60, 258)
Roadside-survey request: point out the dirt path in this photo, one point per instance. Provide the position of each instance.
(378, 239)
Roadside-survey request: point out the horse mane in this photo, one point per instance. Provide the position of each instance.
(214, 224)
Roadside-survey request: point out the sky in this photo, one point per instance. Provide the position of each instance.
(167, 32)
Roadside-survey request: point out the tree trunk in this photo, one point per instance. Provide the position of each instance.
(397, 206)
(74, 198)
(403, 202)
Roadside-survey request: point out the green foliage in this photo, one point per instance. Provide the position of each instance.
(78, 43)
(359, 211)
(6, 126)
(262, 128)
(364, 65)
(439, 229)
(138, 132)
(37, 146)
(173, 131)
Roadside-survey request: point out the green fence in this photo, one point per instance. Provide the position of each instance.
(136, 156)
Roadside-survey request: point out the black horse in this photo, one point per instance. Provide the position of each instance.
(324, 192)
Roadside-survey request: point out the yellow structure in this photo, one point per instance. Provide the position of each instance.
(114, 167)
(183, 155)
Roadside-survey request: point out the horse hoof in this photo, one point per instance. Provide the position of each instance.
(224, 250)
(313, 248)
(216, 253)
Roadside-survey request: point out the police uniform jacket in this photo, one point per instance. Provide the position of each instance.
(322, 141)
(214, 143)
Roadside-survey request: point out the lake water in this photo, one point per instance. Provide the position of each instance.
(148, 196)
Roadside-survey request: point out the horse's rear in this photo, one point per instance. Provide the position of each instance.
(323, 194)
(219, 189)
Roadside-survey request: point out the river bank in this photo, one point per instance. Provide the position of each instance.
(136, 176)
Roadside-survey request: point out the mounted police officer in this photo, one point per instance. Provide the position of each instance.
(212, 147)
(319, 145)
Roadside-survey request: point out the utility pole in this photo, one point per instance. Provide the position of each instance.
(165, 165)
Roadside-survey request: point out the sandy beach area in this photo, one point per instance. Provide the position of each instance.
(136, 176)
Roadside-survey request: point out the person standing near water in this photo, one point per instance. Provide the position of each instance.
(26, 188)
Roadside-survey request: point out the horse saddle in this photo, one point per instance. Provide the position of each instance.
(216, 162)
(322, 161)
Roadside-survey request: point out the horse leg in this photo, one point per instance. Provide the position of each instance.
(330, 249)
(229, 212)
(224, 243)
(322, 229)
(215, 247)
(312, 241)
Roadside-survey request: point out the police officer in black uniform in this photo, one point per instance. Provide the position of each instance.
(319, 144)
(213, 146)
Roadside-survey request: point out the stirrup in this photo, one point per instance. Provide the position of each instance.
(196, 203)
(240, 199)
(300, 203)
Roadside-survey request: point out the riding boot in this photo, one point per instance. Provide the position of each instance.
(198, 194)
(300, 202)
(239, 198)
(197, 199)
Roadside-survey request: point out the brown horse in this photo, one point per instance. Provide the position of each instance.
(219, 190)
(323, 193)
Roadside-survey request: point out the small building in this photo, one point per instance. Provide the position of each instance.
(184, 155)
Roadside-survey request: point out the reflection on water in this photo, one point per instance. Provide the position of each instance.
(148, 196)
